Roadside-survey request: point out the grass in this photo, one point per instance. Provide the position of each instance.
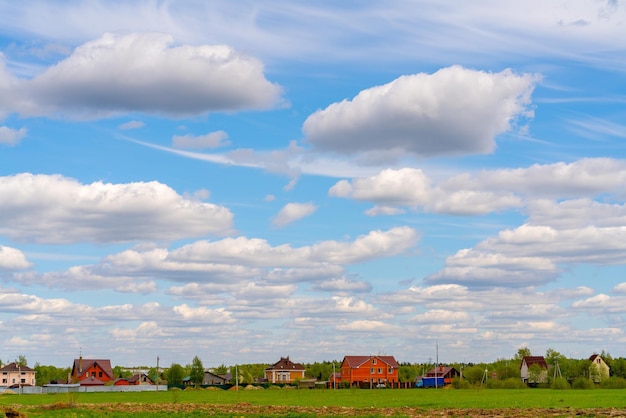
(427, 399)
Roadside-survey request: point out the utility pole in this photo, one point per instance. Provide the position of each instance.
(436, 363)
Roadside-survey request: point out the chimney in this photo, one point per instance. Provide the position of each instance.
(80, 365)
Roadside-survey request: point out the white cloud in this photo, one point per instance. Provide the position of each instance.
(292, 212)
(210, 140)
(343, 285)
(56, 209)
(455, 111)
(582, 178)
(144, 72)
(410, 187)
(620, 288)
(226, 262)
(10, 136)
(133, 124)
(584, 231)
(495, 190)
(12, 259)
(473, 32)
(437, 316)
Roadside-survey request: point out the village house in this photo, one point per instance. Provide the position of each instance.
(599, 370)
(284, 371)
(534, 369)
(376, 371)
(14, 375)
(448, 373)
(136, 379)
(91, 372)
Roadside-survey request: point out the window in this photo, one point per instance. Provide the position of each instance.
(390, 370)
(4, 380)
(380, 371)
(23, 380)
(372, 370)
(374, 362)
(99, 374)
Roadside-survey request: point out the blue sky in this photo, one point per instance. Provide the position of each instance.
(243, 181)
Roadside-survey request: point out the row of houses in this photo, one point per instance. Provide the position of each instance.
(379, 371)
(542, 369)
(372, 371)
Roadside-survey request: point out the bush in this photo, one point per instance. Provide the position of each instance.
(583, 383)
(614, 382)
(560, 383)
(510, 383)
(459, 383)
(513, 383)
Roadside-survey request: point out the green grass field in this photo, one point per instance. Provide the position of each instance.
(361, 402)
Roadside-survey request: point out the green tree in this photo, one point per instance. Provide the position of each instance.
(119, 371)
(175, 374)
(408, 372)
(536, 374)
(21, 360)
(522, 352)
(474, 374)
(196, 374)
(221, 369)
(46, 374)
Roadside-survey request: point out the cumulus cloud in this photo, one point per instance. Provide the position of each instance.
(210, 140)
(10, 136)
(343, 285)
(410, 187)
(227, 262)
(582, 231)
(494, 190)
(56, 209)
(12, 259)
(582, 178)
(144, 72)
(292, 212)
(454, 111)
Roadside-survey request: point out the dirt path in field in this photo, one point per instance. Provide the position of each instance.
(246, 409)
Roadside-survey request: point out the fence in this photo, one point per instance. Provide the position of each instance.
(36, 390)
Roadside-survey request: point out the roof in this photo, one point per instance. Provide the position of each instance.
(137, 377)
(356, 361)
(91, 381)
(285, 364)
(594, 356)
(14, 367)
(441, 371)
(532, 360)
(104, 364)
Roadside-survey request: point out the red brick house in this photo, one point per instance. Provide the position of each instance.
(369, 370)
(92, 372)
(284, 371)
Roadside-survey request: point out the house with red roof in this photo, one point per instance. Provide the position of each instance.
(534, 369)
(284, 371)
(370, 371)
(15, 375)
(448, 373)
(92, 372)
(599, 370)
